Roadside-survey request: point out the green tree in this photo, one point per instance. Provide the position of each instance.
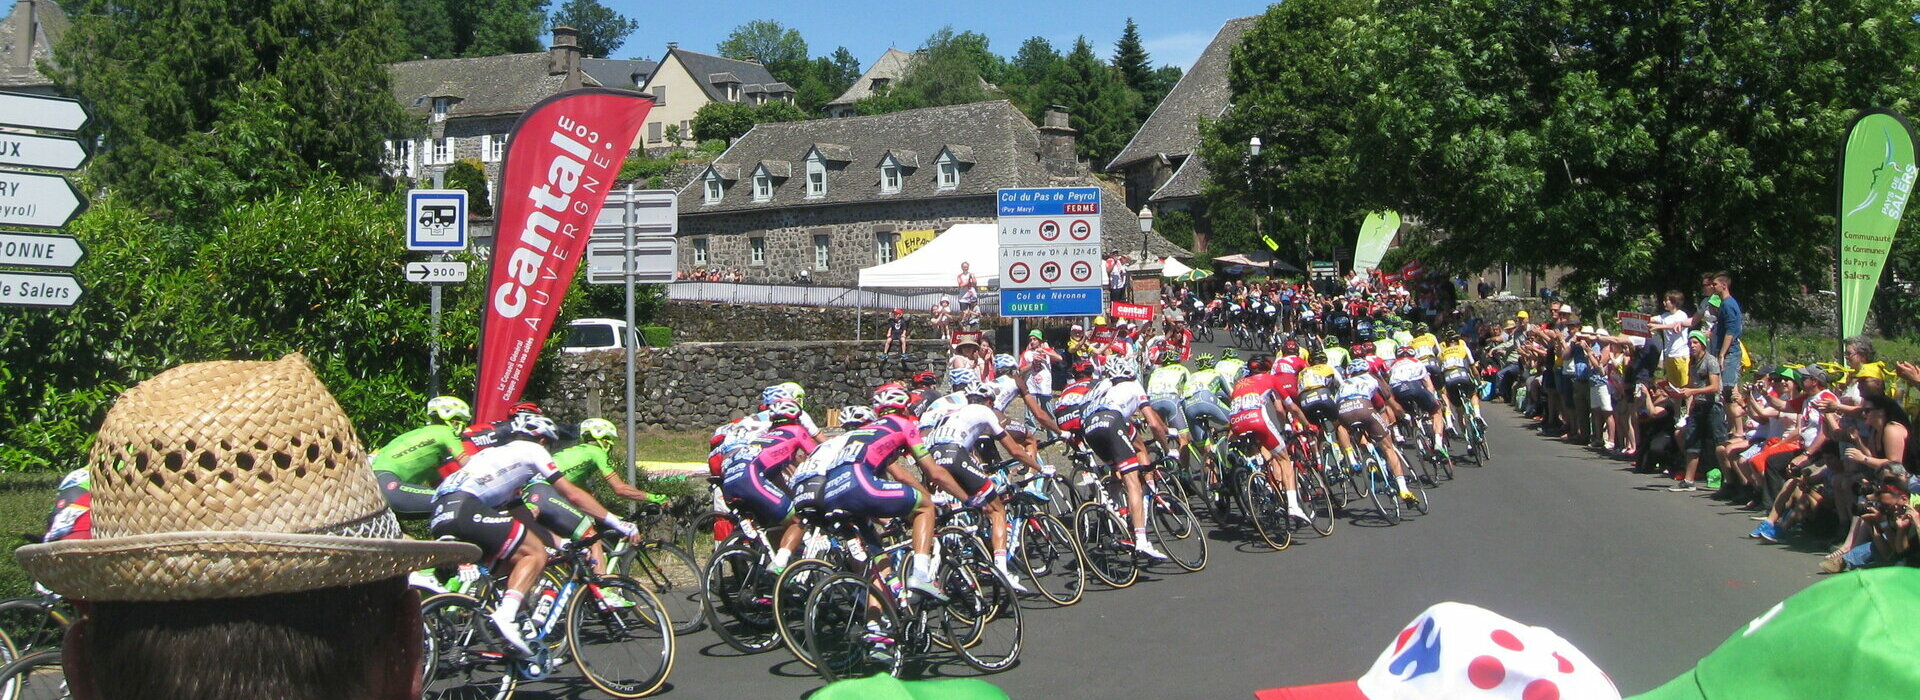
(723, 120)
(1098, 103)
(776, 46)
(426, 30)
(247, 99)
(778, 111)
(887, 100)
(602, 30)
(1027, 73)
(494, 27)
(1131, 59)
(468, 174)
(947, 71)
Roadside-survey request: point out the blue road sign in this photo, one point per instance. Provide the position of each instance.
(1079, 301)
(437, 220)
(1050, 201)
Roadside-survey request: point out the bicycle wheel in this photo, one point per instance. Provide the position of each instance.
(624, 651)
(1267, 511)
(1316, 498)
(981, 606)
(1338, 487)
(36, 676)
(854, 628)
(1443, 466)
(739, 599)
(790, 594)
(1108, 545)
(468, 659)
(673, 576)
(1051, 558)
(1386, 495)
(697, 539)
(1416, 485)
(33, 624)
(1176, 530)
(960, 550)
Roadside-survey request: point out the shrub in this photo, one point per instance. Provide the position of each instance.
(657, 336)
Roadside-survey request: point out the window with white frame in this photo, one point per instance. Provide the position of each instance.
(949, 170)
(762, 186)
(816, 176)
(883, 247)
(889, 176)
(758, 248)
(733, 92)
(715, 188)
(400, 158)
(699, 251)
(493, 147)
(440, 107)
(442, 150)
(822, 251)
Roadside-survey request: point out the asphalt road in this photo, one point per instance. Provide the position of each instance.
(1643, 581)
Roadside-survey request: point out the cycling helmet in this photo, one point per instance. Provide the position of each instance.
(1003, 362)
(1420, 328)
(527, 407)
(1358, 367)
(1205, 361)
(535, 426)
(1121, 368)
(1229, 354)
(1259, 364)
(1169, 356)
(772, 394)
(1317, 356)
(925, 379)
(891, 398)
(599, 430)
(961, 376)
(450, 410)
(783, 411)
(1365, 336)
(856, 416)
(798, 392)
(1329, 341)
(978, 390)
(1083, 368)
(1449, 334)
(1290, 347)
(1363, 349)
(1404, 351)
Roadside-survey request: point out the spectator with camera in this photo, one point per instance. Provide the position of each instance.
(1882, 529)
(1809, 469)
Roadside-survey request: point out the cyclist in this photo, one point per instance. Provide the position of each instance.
(796, 392)
(1337, 355)
(480, 436)
(811, 476)
(409, 466)
(1109, 431)
(1256, 407)
(855, 485)
(1360, 397)
(1413, 390)
(580, 464)
(1456, 372)
(1165, 388)
(468, 507)
(1201, 404)
(1231, 367)
(924, 391)
(954, 443)
(72, 515)
(959, 379)
(753, 480)
(1317, 385)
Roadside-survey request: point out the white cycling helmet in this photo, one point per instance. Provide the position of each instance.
(1121, 368)
(783, 411)
(775, 393)
(1004, 361)
(978, 390)
(535, 426)
(961, 376)
(856, 416)
(799, 393)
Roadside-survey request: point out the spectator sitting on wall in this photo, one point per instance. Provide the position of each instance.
(896, 330)
(942, 317)
(968, 288)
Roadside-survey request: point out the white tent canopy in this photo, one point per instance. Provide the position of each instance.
(937, 264)
(1174, 268)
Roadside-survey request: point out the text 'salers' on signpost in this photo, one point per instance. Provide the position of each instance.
(40, 200)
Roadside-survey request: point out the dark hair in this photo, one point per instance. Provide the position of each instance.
(310, 645)
(1678, 298)
(1880, 402)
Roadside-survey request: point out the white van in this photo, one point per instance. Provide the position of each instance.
(595, 334)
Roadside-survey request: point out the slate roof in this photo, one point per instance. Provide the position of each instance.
(892, 65)
(50, 23)
(618, 73)
(706, 68)
(1188, 180)
(1174, 127)
(485, 85)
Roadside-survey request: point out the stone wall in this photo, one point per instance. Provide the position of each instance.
(697, 386)
(698, 321)
(786, 235)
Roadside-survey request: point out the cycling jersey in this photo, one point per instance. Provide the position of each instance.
(1317, 383)
(1005, 390)
(1231, 370)
(855, 485)
(1289, 364)
(1358, 389)
(422, 455)
(1168, 381)
(1254, 392)
(966, 426)
(1455, 355)
(1338, 356)
(731, 437)
(876, 444)
(496, 475)
(1407, 373)
(480, 436)
(806, 421)
(582, 462)
(749, 471)
(1067, 407)
(72, 515)
(1124, 398)
(1205, 384)
(1425, 345)
(940, 408)
(1385, 349)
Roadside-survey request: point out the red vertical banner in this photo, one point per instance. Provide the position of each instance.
(560, 164)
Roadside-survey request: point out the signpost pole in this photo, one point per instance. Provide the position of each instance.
(433, 346)
(632, 335)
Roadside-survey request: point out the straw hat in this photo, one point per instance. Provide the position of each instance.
(226, 480)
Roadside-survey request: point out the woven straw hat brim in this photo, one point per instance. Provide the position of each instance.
(226, 564)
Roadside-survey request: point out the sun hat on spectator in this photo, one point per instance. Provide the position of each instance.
(226, 480)
(1035, 333)
(1456, 650)
(1787, 373)
(1521, 314)
(1849, 636)
(1816, 373)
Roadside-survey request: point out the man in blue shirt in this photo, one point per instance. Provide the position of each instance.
(1726, 333)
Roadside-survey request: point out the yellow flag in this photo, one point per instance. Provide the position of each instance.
(1270, 244)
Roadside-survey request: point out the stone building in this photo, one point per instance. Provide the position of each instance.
(686, 80)
(469, 105)
(27, 37)
(1160, 164)
(818, 200)
(884, 74)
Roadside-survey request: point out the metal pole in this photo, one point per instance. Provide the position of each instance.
(433, 307)
(632, 335)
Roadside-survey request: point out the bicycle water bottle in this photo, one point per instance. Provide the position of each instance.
(544, 605)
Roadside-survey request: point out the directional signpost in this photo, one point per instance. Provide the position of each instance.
(41, 200)
(634, 242)
(439, 272)
(436, 222)
(1050, 252)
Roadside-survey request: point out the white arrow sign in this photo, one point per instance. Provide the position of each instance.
(39, 289)
(35, 151)
(40, 250)
(38, 112)
(31, 199)
(436, 272)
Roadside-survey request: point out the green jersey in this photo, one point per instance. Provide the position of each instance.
(1167, 381)
(1206, 381)
(1231, 370)
(416, 456)
(1338, 356)
(582, 461)
(1384, 348)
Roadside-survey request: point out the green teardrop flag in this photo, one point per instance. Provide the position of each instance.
(1876, 174)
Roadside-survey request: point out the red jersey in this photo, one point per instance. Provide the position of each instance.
(1066, 406)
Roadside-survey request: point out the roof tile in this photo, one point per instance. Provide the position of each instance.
(1174, 127)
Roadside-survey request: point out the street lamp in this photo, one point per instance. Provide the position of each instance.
(1146, 227)
(1253, 151)
(1253, 145)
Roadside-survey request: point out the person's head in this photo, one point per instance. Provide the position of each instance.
(1204, 361)
(1081, 369)
(925, 379)
(1878, 409)
(1362, 349)
(1121, 369)
(1403, 351)
(1317, 356)
(1290, 347)
(899, 311)
(1260, 363)
(534, 427)
(1420, 328)
(959, 377)
(203, 583)
(774, 393)
(1077, 330)
(1813, 379)
(449, 410)
(1168, 357)
(1723, 284)
(1004, 363)
(891, 398)
(964, 266)
(1697, 342)
(1860, 351)
(526, 407)
(1673, 300)
(799, 393)
(1035, 337)
(978, 392)
(599, 431)
(855, 416)
(1229, 354)
(783, 411)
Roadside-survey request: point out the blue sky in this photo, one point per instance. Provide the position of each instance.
(1174, 32)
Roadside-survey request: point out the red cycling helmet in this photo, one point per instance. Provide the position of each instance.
(925, 379)
(527, 407)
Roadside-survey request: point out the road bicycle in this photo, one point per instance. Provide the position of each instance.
(1375, 479)
(35, 676)
(738, 588)
(671, 573)
(610, 626)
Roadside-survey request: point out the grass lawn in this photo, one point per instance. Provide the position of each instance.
(1768, 349)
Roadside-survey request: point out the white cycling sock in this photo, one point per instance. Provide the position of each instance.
(780, 557)
(509, 604)
(1402, 480)
(922, 567)
(1293, 500)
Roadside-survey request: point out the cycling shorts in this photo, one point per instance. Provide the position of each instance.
(466, 518)
(966, 469)
(1170, 411)
(553, 511)
(851, 489)
(1360, 417)
(1321, 409)
(1111, 438)
(747, 491)
(1417, 397)
(404, 498)
(806, 492)
(1460, 380)
(1259, 422)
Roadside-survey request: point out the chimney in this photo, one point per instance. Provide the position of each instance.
(1057, 143)
(28, 27)
(564, 57)
(671, 45)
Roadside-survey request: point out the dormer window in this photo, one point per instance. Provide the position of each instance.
(878, 84)
(762, 186)
(816, 176)
(889, 176)
(440, 107)
(949, 171)
(733, 91)
(715, 188)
